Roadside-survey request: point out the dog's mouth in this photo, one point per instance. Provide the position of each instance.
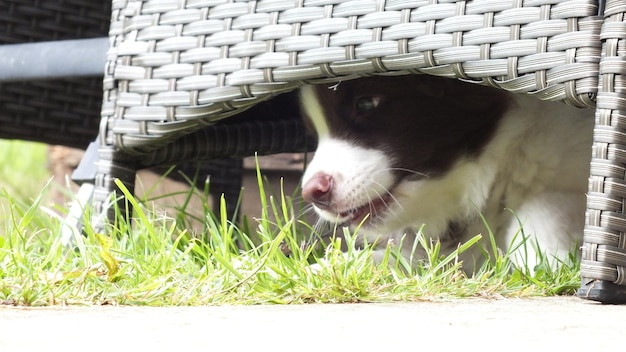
(368, 212)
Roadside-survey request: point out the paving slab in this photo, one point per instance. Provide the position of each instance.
(541, 324)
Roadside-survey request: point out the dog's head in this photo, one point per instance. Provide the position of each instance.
(377, 134)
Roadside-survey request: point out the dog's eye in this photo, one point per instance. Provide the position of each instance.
(366, 104)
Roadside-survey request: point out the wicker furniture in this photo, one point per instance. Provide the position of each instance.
(49, 108)
(51, 70)
(604, 246)
(175, 67)
(178, 70)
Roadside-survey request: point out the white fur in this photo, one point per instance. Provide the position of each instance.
(356, 170)
(534, 171)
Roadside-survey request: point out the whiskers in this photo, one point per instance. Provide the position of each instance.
(386, 193)
(412, 173)
(371, 192)
(368, 193)
(387, 198)
(321, 230)
(319, 225)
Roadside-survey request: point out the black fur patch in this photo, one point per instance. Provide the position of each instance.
(424, 123)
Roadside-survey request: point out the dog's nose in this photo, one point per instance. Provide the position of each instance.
(318, 190)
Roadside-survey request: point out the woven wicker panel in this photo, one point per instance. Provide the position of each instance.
(604, 248)
(24, 21)
(175, 66)
(63, 112)
(267, 128)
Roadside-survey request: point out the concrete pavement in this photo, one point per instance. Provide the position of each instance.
(542, 324)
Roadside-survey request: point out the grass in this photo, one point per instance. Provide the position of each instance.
(154, 260)
(23, 171)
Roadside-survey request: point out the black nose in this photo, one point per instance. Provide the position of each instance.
(318, 190)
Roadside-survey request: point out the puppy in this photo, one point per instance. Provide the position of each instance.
(401, 154)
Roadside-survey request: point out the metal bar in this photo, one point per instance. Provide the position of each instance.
(56, 59)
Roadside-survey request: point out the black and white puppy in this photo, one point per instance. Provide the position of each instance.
(398, 153)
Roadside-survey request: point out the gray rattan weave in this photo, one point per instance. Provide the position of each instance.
(177, 66)
(61, 111)
(66, 111)
(24, 21)
(603, 266)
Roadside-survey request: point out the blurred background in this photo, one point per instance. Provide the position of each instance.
(28, 166)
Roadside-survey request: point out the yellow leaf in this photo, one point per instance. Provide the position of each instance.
(110, 262)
